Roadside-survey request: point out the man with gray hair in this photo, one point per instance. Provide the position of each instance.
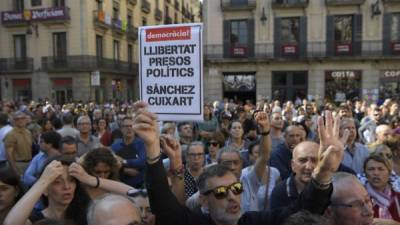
(86, 141)
(111, 209)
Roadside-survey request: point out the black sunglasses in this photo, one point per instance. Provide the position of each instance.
(221, 192)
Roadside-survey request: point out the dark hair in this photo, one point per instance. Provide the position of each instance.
(42, 122)
(67, 118)
(252, 145)
(69, 140)
(76, 210)
(9, 177)
(181, 124)
(3, 119)
(378, 158)
(249, 125)
(305, 218)
(53, 138)
(104, 155)
(216, 170)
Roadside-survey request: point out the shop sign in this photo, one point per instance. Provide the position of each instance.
(349, 74)
(391, 73)
(95, 78)
(171, 70)
(35, 15)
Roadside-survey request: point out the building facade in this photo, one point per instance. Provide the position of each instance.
(67, 50)
(294, 49)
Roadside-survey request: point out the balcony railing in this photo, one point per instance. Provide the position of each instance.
(132, 32)
(231, 5)
(45, 15)
(87, 63)
(343, 2)
(290, 3)
(167, 19)
(158, 14)
(145, 6)
(315, 50)
(100, 20)
(12, 65)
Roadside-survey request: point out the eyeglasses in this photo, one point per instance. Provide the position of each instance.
(221, 192)
(215, 144)
(195, 154)
(229, 163)
(358, 204)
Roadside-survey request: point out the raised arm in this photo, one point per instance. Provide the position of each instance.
(265, 145)
(108, 185)
(20, 213)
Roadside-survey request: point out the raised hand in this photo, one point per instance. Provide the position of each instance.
(172, 149)
(52, 171)
(145, 126)
(263, 121)
(331, 148)
(77, 171)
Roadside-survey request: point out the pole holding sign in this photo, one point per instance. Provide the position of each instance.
(171, 70)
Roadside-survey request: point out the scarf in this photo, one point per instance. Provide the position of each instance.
(382, 199)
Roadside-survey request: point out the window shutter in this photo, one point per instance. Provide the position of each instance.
(330, 32)
(386, 36)
(357, 32)
(277, 38)
(227, 41)
(303, 37)
(250, 46)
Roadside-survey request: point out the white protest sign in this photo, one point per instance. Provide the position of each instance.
(171, 70)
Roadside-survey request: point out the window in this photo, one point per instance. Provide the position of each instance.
(343, 29)
(19, 48)
(129, 17)
(144, 21)
(99, 47)
(395, 28)
(176, 18)
(130, 55)
(99, 5)
(19, 5)
(239, 33)
(115, 10)
(166, 11)
(36, 3)
(60, 46)
(116, 51)
(290, 30)
(59, 3)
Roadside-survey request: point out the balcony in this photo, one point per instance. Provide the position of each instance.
(45, 15)
(99, 20)
(145, 6)
(117, 26)
(158, 14)
(132, 2)
(236, 5)
(276, 4)
(12, 65)
(88, 63)
(132, 32)
(167, 19)
(176, 4)
(343, 2)
(372, 50)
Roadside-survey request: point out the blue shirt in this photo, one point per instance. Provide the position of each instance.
(135, 155)
(35, 167)
(355, 159)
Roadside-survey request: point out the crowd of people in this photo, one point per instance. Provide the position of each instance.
(264, 163)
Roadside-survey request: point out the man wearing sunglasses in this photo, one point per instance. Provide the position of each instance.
(219, 187)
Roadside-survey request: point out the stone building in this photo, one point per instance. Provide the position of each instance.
(294, 49)
(78, 50)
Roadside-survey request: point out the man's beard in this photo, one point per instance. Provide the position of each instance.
(221, 217)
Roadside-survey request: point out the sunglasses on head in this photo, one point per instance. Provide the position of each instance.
(221, 192)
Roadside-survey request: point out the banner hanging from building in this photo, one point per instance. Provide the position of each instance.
(171, 70)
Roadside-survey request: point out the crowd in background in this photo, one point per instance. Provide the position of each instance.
(77, 163)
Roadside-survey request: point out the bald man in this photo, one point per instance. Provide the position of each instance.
(281, 156)
(382, 133)
(305, 158)
(113, 210)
